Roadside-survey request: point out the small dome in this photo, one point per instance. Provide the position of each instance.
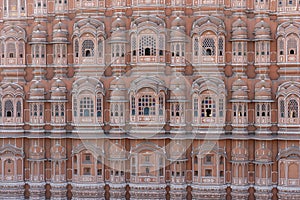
(59, 83)
(58, 90)
(262, 30)
(178, 21)
(118, 30)
(178, 88)
(58, 152)
(60, 32)
(118, 24)
(118, 89)
(239, 89)
(263, 90)
(178, 29)
(239, 29)
(37, 90)
(263, 154)
(39, 33)
(36, 152)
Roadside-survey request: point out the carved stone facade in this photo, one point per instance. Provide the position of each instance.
(149, 99)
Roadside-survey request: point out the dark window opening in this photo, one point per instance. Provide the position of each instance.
(161, 53)
(146, 111)
(208, 52)
(147, 52)
(208, 113)
(8, 114)
(88, 53)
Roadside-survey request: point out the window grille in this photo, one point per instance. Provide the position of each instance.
(196, 47)
(195, 107)
(221, 46)
(133, 45)
(146, 105)
(132, 105)
(208, 47)
(161, 45)
(76, 48)
(100, 48)
(41, 110)
(221, 107)
(208, 107)
(293, 109)
(147, 46)
(11, 50)
(88, 49)
(19, 109)
(99, 106)
(9, 108)
(86, 108)
(161, 105)
(0, 108)
(292, 46)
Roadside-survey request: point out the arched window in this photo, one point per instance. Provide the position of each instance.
(99, 106)
(76, 48)
(146, 105)
(88, 49)
(293, 108)
(292, 46)
(0, 108)
(208, 47)
(208, 107)
(19, 109)
(147, 45)
(86, 107)
(282, 108)
(11, 50)
(9, 109)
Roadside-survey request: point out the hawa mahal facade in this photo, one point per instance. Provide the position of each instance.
(150, 99)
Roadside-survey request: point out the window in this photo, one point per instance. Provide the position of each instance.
(147, 170)
(19, 109)
(208, 172)
(86, 106)
(196, 47)
(132, 105)
(76, 48)
(221, 173)
(86, 171)
(282, 108)
(195, 160)
(293, 109)
(208, 159)
(146, 105)
(195, 107)
(292, 46)
(9, 109)
(208, 107)
(99, 106)
(88, 49)
(195, 173)
(208, 47)
(147, 159)
(147, 45)
(87, 157)
(11, 50)
(99, 172)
